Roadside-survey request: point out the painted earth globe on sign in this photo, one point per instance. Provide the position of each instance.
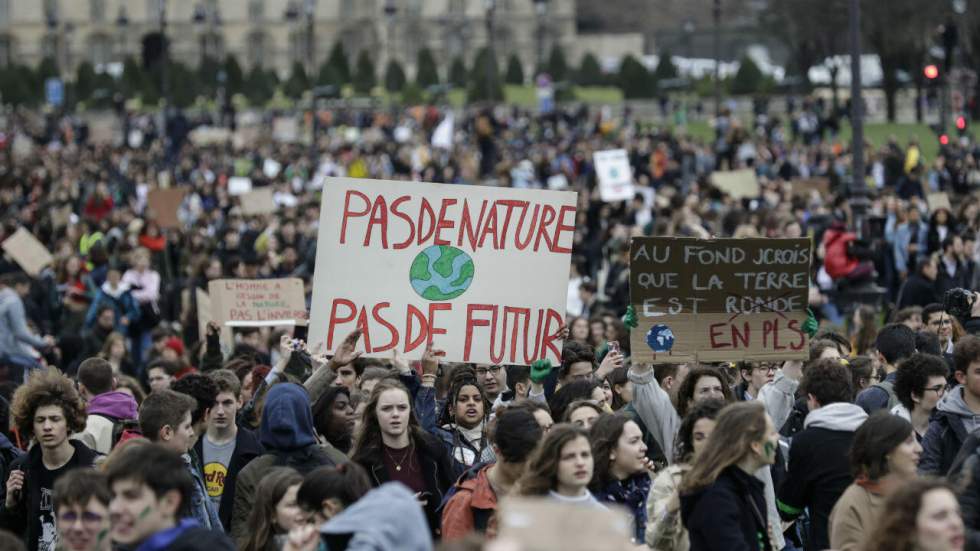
(441, 272)
(660, 338)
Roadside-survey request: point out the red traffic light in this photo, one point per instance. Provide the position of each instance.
(961, 122)
(944, 139)
(931, 72)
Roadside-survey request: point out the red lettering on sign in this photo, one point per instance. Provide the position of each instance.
(547, 217)
(561, 227)
(425, 213)
(348, 213)
(443, 224)
(714, 333)
(794, 326)
(375, 313)
(335, 319)
(466, 225)
(433, 308)
(379, 217)
(415, 315)
(471, 323)
(411, 226)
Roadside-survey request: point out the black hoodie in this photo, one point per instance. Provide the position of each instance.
(728, 515)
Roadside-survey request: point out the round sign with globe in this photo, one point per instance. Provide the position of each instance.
(441, 272)
(660, 338)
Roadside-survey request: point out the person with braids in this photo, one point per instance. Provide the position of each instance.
(665, 532)
(462, 425)
(392, 446)
(46, 409)
(622, 470)
(920, 516)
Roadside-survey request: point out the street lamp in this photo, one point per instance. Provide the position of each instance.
(309, 10)
(541, 10)
(390, 10)
(716, 12)
(688, 28)
(490, 6)
(122, 21)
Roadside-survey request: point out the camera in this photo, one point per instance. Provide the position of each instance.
(959, 303)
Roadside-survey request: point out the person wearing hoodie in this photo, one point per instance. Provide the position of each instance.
(818, 467)
(894, 343)
(150, 508)
(106, 408)
(289, 439)
(462, 426)
(18, 344)
(116, 295)
(723, 505)
(956, 413)
(46, 409)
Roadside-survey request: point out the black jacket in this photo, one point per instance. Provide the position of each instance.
(918, 291)
(942, 442)
(729, 515)
(970, 495)
(436, 470)
(247, 448)
(22, 518)
(186, 536)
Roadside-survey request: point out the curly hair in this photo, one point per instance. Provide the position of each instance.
(202, 389)
(828, 380)
(896, 530)
(47, 387)
(575, 352)
(684, 444)
(685, 394)
(913, 375)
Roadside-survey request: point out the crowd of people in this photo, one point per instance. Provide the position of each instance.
(124, 427)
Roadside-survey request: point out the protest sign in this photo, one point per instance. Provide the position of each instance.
(803, 186)
(27, 251)
(615, 175)
(481, 272)
(258, 201)
(258, 302)
(938, 201)
(718, 300)
(209, 135)
(163, 204)
(737, 183)
(285, 129)
(271, 168)
(204, 317)
(239, 185)
(544, 524)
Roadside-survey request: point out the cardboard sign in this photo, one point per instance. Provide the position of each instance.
(209, 135)
(61, 216)
(239, 185)
(258, 302)
(163, 205)
(258, 201)
(803, 186)
(481, 272)
(737, 183)
(204, 317)
(615, 175)
(938, 201)
(27, 251)
(545, 524)
(285, 129)
(718, 300)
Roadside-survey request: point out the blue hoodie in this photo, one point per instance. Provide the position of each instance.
(287, 420)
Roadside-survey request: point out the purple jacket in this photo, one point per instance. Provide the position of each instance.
(117, 405)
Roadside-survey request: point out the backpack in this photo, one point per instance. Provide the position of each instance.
(121, 427)
(888, 387)
(481, 517)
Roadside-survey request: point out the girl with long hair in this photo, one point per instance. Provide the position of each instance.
(723, 504)
(665, 531)
(884, 456)
(327, 491)
(561, 467)
(864, 330)
(462, 424)
(274, 511)
(622, 470)
(618, 388)
(333, 418)
(922, 515)
(392, 446)
(114, 352)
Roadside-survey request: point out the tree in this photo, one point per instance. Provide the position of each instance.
(634, 79)
(485, 78)
(457, 73)
(811, 30)
(394, 76)
(749, 78)
(259, 87)
(48, 68)
(84, 81)
(589, 74)
(341, 66)
(207, 75)
(364, 76)
(557, 67)
(132, 81)
(19, 85)
(185, 84)
(426, 73)
(234, 76)
(297, 83)
(515, 72)
(665, 67)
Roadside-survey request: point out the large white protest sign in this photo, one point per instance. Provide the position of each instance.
(615, 175)
(480, 272)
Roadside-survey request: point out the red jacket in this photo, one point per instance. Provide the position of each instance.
(473, 508)
(836, 260)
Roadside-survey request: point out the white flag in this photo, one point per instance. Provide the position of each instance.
(443, 135)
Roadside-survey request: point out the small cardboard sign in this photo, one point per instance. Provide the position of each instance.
(204, 317)
(545, 524)
(285, 130)
(615, 175)
(209, 135)
(27, 251)
(239, 185)
(803, 186)
(258, 201)
(258, 302)
(938, 201)
(163, 204)
(699, 300)
(737, 183)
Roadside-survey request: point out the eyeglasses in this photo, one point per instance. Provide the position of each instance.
(89, 519)
(482, 371)
(938, 389)
(767, 368)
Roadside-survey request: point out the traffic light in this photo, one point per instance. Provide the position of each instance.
(931, 71)
(961, 124)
